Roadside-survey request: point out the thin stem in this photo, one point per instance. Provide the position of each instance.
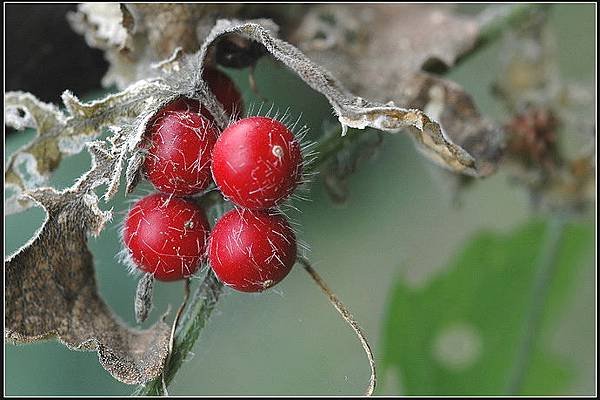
(188, 330)
(345, 313)
(545, 269)
(186, 296)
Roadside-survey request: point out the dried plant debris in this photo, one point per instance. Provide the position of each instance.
(551, 131)
(168, 26)
(358, 43)
(134, 36)
(381, 52)
(536, 161)
(50, 285)
(446, 102)
(51, 291)
(352, 111)
(60, 133)
(375, 48)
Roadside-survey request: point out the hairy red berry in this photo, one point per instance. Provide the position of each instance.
(166, 237)
(182, 104)
(252, 250)
(178, 160)
(257, 162)
(224, 90)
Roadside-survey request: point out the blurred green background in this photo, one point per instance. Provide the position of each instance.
(398, 254)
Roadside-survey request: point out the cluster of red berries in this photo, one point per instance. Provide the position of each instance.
(255, 162)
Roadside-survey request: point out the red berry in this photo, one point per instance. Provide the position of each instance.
(178, 160)
(252, 250)
(224, 90)
(182, 104)
(257, 162)
(166, 236)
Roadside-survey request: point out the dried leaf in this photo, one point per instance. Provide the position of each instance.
(447, 103)
(135, 36)
(61, 134)
(50, 289)
(53, 292)
(168, 26)
(352, 111)
(379, 51)
(417, 47)
(376, 49)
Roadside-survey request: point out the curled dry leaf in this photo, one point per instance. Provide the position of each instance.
(392, 30)
(167, 26)
(381, 52)
(447, 103)
(353, 111)
(50, 284)
(60, 134)
(53, 292)
(384, 44)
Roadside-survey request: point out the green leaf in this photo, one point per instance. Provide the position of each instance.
(464, 333)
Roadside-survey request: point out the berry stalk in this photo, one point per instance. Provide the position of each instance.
(189, 326)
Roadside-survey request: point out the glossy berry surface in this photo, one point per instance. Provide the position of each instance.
(251, 251)
(179, 155)
(166, 236)
(257, 162)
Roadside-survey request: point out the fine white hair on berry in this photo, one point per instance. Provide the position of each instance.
(308, 148)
